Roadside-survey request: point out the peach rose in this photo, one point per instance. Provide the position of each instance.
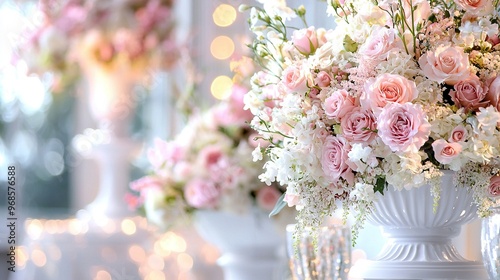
(338, 104)
(445, 152)
(458, 134)
(387, 88)
(294, 79)
(445, 64)
(476, 7)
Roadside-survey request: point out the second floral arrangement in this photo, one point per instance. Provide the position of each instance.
(207, 166)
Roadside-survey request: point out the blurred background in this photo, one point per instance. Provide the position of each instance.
(37, 126)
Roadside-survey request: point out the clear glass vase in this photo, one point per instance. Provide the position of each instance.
(490, 244)
(326, 258)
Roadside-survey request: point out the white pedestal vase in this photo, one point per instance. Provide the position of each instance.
(112, 105)
(111, 225)
(419, 240)
(251, 245)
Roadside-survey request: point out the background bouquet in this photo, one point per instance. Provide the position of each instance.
(396, 93)
(130, 34)
(208, 165)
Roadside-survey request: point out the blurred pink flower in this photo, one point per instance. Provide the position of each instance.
(202, 193)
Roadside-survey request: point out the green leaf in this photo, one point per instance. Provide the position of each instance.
(380, 185)
(349, 44)
(280, 204)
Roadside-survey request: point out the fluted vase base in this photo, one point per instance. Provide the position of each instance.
(419, 242)
(384, 270)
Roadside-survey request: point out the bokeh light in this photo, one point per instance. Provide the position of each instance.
(222, 47)
(224, 15)
(128, 227)
(221, 87)
(102, 275)
(38, 257)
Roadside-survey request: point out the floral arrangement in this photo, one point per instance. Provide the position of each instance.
(130, 34)
(208, 165)
(397, 92)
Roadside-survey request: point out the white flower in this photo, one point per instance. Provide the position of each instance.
(488, 119)
(362, 157)
(257, 153)
(278, 8)
(363, 191)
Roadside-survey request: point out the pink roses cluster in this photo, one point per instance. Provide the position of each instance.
(137, 34)
(396, 93)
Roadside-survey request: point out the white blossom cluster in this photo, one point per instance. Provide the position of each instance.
(395, 94)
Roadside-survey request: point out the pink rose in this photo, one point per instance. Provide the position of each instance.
(233, 112)
(445, 64)
(305, 40)
(445, 152)
(182, 170)
(387, 88)
(267, 197)
(127, 42)
(211, 157)
(421, 10)
(380, 43)
(321, 34)
(493, 94)
(294, 79)
(201, 193)
(223, 116)
(358, 126)
(476, 7)
(133, 201)
(323, 79)
(493, 40)
(458, 134)
(469, 94)
(494, 188)
(403, 127)
(164, 151)
(338, 104)
(334, 159)
(71, 19)
(236, 102)
(144, 183)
